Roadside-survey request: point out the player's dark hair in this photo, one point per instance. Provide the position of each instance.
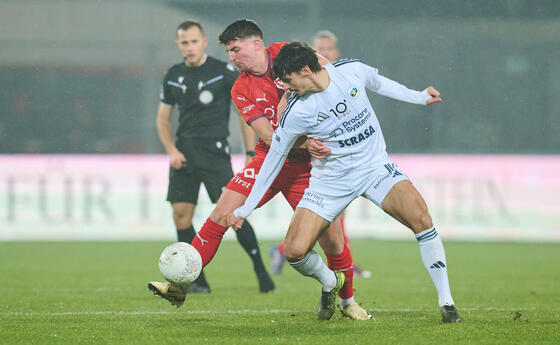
(189, 24)
(240, 29)
(293, 57)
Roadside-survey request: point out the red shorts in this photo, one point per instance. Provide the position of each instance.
(292, 181)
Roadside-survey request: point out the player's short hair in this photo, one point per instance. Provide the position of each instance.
(325, 34)
(293, 57)
(240, 29)
(189, 24)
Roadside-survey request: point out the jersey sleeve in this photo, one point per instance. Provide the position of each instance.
(165, 95)
(246, 105)
(390, 88)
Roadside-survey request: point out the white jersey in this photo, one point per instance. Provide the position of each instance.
(342, 118)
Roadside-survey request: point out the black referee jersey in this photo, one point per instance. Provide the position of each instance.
(203, 96)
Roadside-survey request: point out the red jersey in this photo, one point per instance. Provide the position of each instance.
(258, 96)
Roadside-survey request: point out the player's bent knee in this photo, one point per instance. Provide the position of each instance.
(294, 251)
(422, 222)
(294, 254)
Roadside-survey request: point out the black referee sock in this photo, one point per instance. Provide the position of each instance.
(248, 240)
(187, 235)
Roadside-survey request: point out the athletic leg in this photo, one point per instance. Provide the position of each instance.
(404, 203)
(331, 240)
(302, 234)
(248, 240)
(234, 195)
(215, 179)
(182, 216)
(212, 232)
(183, 190)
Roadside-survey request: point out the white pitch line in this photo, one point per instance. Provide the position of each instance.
(127, 313)
(245, 311)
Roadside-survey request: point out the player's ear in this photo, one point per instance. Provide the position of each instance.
(205, 42)
(257, 42)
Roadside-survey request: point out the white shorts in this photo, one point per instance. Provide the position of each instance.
(329, 197)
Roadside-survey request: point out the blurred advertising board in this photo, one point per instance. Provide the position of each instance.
(122, 197)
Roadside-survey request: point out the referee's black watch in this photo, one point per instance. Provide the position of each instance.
(250, 153)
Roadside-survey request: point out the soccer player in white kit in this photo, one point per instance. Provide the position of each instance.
(330, 104)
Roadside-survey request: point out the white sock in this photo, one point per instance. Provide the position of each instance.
(346, 301)
(433, 256)
(312, 265)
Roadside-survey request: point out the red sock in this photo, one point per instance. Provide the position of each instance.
(281, 248)
(343, 262)
(346, 239)
(208, 240)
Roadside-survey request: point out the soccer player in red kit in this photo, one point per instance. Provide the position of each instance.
(257, 94)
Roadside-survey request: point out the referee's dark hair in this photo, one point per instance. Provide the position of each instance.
(240, 29)
(189, 24)
(293, 57)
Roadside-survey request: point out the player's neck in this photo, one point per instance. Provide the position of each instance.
(198, 63)
(262, 66)
(321, 80)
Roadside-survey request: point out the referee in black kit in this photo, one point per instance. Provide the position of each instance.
(201, 86)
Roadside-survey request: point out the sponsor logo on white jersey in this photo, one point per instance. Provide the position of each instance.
(357, 138)
(353, 91)
(321, 117)
(336, 133)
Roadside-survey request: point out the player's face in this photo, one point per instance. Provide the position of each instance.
(243, 53)
(297, 82)
(191, 44)
(326, 47)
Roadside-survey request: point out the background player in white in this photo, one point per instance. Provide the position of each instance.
(331, 104)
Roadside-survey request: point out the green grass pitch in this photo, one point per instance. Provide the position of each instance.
(95, 293)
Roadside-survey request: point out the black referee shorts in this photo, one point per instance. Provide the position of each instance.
(208, 162)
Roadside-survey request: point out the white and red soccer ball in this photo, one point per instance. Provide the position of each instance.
(180, 263)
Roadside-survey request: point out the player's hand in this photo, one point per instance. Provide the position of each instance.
(235, 221)
(435, 95)
(316, 148)
(178, 160)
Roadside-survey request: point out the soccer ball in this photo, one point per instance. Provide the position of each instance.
(180, 263)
